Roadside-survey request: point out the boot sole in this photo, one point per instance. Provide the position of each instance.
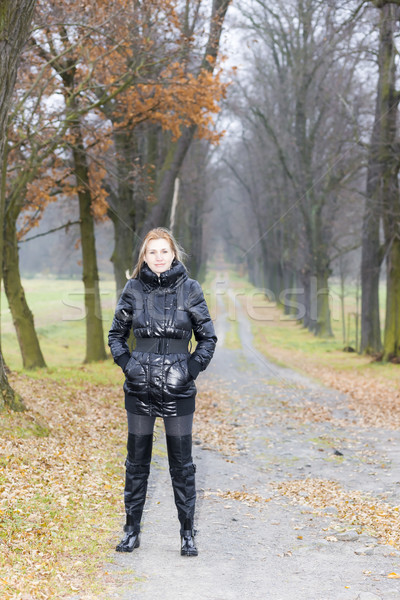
(183, 553)
(118, 549)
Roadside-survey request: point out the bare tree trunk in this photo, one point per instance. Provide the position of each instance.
(390, 184)
(321, 261)
(191, 207)
(122, 214)
(95, 348)
(159, 216)
(15, 18)
(371, 257)
(382, 201)
(305, 299)
(124, 236)
(323, 325)
(135, 150)
(391, 346)
(32, 356)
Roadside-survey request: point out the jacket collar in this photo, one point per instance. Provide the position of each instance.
(169, 279)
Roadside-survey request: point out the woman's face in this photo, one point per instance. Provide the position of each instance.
(159, 255)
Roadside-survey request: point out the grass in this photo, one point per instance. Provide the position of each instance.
(101, 373)
(284, 340)
(60, 490)
(57, 306)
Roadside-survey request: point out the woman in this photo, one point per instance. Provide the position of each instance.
(162, 306)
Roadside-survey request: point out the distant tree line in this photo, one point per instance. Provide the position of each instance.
(313, 170)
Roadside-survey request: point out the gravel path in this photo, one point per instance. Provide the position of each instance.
(263, 546)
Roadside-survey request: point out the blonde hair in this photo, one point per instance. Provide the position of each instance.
(157, 234)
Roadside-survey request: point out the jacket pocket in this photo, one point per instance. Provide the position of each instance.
(178, 376)
(134, 370)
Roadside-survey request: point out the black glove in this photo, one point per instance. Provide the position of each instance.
(194, 367)
(123, 360)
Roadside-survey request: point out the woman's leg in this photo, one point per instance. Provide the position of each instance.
(178, 426)
(179, 445)
(140, 442)
(140, 424)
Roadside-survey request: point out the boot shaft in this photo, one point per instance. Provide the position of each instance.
(182, 471)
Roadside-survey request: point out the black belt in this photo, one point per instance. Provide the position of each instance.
(161, 345)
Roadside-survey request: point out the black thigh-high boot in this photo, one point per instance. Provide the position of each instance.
(137, 469)
(182, 472)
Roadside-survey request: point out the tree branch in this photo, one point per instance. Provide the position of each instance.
(65, 226)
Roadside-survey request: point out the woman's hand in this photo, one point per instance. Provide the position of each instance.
(194, 367)
(123, 360)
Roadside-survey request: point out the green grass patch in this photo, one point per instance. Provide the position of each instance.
(59, 314)
(232, 337)
(100, 373)
(273, 330)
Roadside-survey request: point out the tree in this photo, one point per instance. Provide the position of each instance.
(382, 205)
(151, 142)
(190, 205)
(15, 18)
(177, 151)
(298, 49)
(33, 137)
(120, 67)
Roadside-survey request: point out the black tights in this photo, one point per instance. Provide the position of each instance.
(174, 426)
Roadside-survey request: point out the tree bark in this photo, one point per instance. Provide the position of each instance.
(95, 348)
(321, 271)
(15, 18)
(323, 322)
(159, 216)
(305, 299)
(191, 207)
(122, 256)
(32, 356)
(371, 258)
(381, 197)
(390, 187)
(122, 208)
(391, 346)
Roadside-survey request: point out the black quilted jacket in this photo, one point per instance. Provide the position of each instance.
(169, 306)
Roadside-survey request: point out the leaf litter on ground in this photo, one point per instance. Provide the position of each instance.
(355, 509)
(61, 483)
(60, 493)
